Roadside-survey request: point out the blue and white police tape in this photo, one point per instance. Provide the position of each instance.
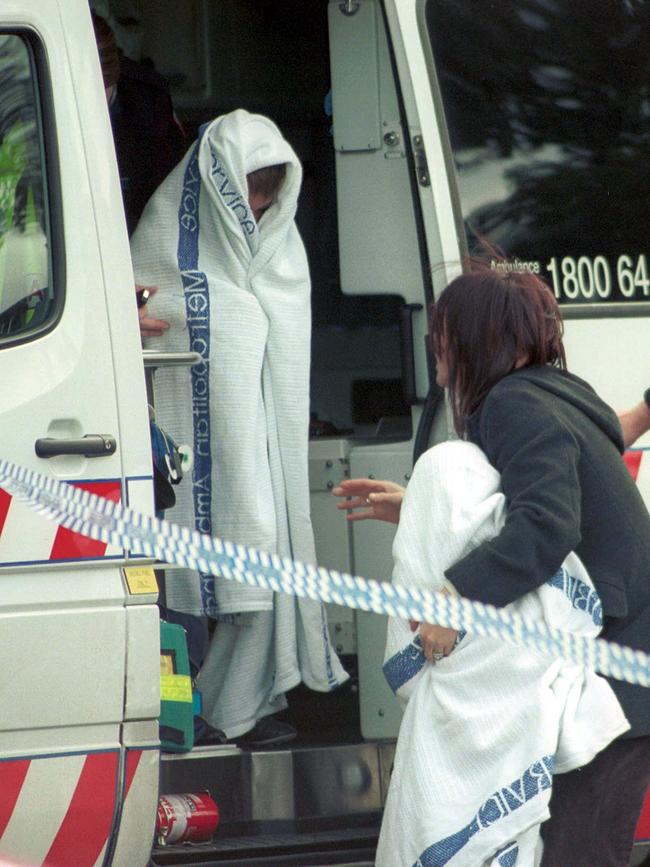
(93, 516)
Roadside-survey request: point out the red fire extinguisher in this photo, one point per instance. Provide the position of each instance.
(186, 818)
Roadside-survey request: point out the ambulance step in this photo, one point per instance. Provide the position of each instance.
(345, 847)
(336, 783)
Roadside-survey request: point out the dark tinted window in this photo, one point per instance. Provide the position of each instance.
(547, 104)
(25, 285)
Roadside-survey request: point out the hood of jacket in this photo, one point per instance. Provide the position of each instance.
(570, 388)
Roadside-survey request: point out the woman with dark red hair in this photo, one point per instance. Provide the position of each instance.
(497, 338)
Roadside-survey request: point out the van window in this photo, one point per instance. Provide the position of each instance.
(25, 285)
(547, 106)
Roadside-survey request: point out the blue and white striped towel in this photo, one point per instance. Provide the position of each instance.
(485, 729)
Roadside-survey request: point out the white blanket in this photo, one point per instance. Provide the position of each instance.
(238, 293)
(486, 728)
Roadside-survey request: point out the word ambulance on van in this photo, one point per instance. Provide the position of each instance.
(422, 125)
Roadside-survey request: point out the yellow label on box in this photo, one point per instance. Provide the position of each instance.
(176, 687)
(140, 579)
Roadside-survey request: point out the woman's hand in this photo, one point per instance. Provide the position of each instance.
(380, 500)
(437, 641)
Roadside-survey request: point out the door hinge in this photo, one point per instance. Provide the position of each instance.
(421, 167)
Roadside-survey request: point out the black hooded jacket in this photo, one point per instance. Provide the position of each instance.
(558, 448)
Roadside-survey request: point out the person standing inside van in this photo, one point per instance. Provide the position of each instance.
(220, 241)
(557, 446)
(148, 139)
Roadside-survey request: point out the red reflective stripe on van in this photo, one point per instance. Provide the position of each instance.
(87, 823)
(12, 777)
(5, 502)
(632, 460)
(132, 761)
(643, 827)
(73, 546)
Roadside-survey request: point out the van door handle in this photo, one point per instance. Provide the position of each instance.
(90, 446)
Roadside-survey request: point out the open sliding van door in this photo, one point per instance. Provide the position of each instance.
(79, 682)
(397, 237)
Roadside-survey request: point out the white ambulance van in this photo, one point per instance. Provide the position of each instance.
(79, 685)
(421, 125)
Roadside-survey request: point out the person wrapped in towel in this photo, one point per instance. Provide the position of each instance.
(219, 240)
(487, 727)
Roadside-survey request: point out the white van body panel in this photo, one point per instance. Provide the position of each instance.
(77, 657)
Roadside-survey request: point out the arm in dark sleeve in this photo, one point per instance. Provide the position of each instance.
(538, 461)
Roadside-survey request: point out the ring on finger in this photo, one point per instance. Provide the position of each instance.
(438, 655)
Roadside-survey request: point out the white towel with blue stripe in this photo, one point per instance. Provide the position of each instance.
(484, 729)
(238, 292)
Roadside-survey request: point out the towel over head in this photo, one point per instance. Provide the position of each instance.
(238, 293)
